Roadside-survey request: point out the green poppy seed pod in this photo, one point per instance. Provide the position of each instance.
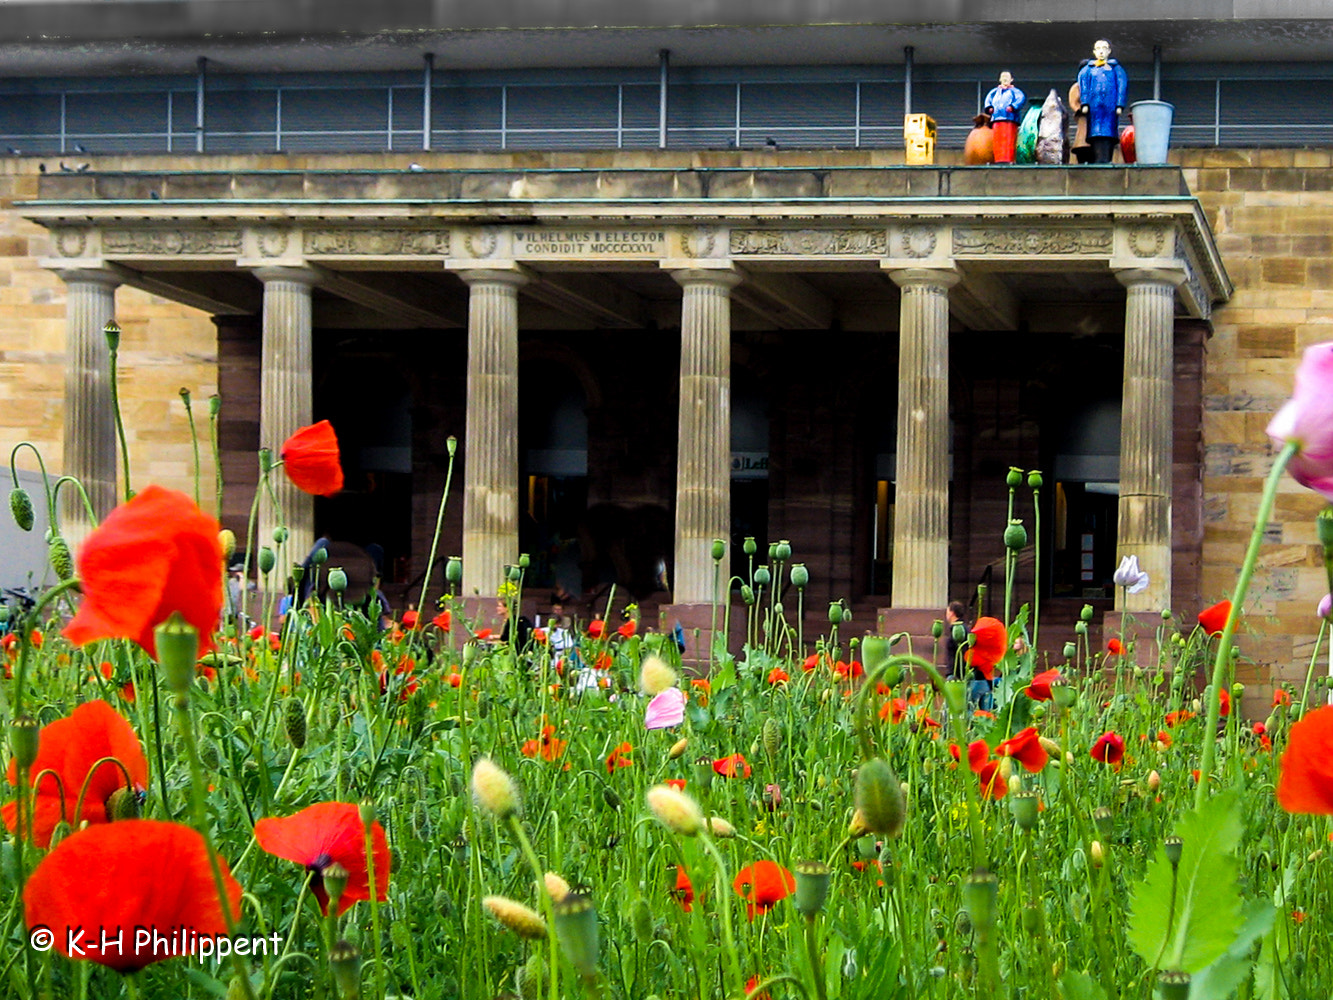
(20, 505)
(771, 734)
(177, 651)
(122, 804)
(1080, 628)
(298, 573)
(453, 569)
(1033, 921)
(703, 773)
(1173, 984)
(209, 755)
(320, 556)
(876, 651)
(267, 560)
(185, 396)
(443, 903)
(835, 613)
(265, 461)
(337, 579)
(749, 546)
(214, 405)
(294, 721)
(1085, 613)
(57, 550)
(513, 574)
(23, 739)
(345, 961)
(1015, 536)
(1064, 695)
(280, 535)
(979, 893)
(772, 551)
(800, 576)
(783, 550)
(366, 810)
(1166, 614)
(112, 334)
(937, 628)
(641, 919)
(1024, 807)
(524, 560)
(576, 930)
(1070, 650)
(451, 445)
(959, 633)
(1173, 847)
(812, 884)
(59, 832)
(777, 608)
(762, 577)
(747, 594)
(879, 797)
(719, 549)
(1105, 821)
(470, 653)
(1034, 479)
(335, 878)
(1014, 477)
(1237, 691)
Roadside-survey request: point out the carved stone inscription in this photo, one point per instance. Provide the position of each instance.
(588, 242)
(849, 242)
(378, 242)
(1038, 241)
(160, 242)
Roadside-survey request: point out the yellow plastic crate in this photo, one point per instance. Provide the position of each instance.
(920, 152)
(919, 127)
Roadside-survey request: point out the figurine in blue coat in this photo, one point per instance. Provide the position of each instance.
(1103, 88)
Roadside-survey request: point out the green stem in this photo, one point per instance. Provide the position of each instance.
(1223, 661)
(217, 456)
(368, 830)
(83, 494)
(548, 910)
(194, 442)
(1036, 567)
(435, 539)
(724, 904)
(816, 961)
(46, 483)
(120, 424)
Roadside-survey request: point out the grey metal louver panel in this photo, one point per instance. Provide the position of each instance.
(466, 109)
(407, 110)
(1247, 113)
(120, 114)
(639, 108)
(335, 111)
(240, 112)
(561, 108)
(30, 116)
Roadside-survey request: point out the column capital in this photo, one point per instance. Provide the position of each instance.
(107, 276)
(704, 272)
(1131, 276)
(490, 272)
(940, 277)
(285, 272)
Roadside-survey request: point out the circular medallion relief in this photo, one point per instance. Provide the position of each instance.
(1147, 241)
(481, 242)
(70, 242)
(918, 241)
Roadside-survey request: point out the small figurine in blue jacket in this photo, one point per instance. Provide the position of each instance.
(1103, 88)
(1004, 105)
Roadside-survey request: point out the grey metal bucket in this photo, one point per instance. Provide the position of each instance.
(1152, 130)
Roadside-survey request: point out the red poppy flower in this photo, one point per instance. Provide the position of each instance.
(411, 619)
(810, 663)
(310, 457)
(1115, 647)
(1224, 697)
(1109, 748)
(483, 633)
(1213, 620)
(455, 678)
(778, 676)
(734, 766)
(1281, 697)
(924, 718)
(70, 747)
(539, 635)
(977, 755)
(547, 746)
(620, 757)
(152, 556)
(683, 889)
(628, 629)
(1305, 781)
(443, 621)
(991, 777)
(992, 642)
(893, 710)
(152, 875)
(704, 686)
(325, 833)
(677, 783)
(1164, 738)
(763, 885)
(1039, 689)
(849, 671)
(405, 673)
(596, 628)
(1025, 747)
(751, 985)
(1177, 717)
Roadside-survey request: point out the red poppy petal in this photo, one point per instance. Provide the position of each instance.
(1305, 784)
(311, 459)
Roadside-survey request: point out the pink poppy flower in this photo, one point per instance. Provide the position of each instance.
(665, 710)
(1307, 419)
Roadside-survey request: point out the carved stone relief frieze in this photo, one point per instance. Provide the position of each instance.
(377, 242)
(810, 242)
(1034, 241)
(160, 242)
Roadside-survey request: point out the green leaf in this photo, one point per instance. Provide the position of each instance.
(1206, 916)
(1080, 986)
(1223, 977)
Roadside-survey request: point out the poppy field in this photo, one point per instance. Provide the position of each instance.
(336, 805)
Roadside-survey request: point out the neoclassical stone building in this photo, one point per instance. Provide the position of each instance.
(651, 325)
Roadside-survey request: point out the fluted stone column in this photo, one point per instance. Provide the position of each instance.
(90, 422)
(703, 458)
(285, 402)
(921, 504)
(490, 444)
(1146, 433)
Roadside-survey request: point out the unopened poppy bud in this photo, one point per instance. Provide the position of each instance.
(1173, 985)
(177, 651)
(719, 827)
(1154, 780)
(858, 827)
(227, 539)
(576, 929)
(293, 721)
(556, 887)
(20, 505)
(1173, 846)
(111, 331)
(123, 804)
(747, 594)
(835, 614)
(345, 961)
(777, 607)
(771, 735)
(1015, 536)
(494, 790)
(610, 797)
(879, 797)
(937, 628)
(524, 921)
(1105, 821)
(57, 550)
(24, 736)
(335, 878)
(979, 893)
(59, 832)
(812, 884)
(1032, 920)
(1023, 804)
(1096, 854)
(1034, 479)
(267, 560)
(800, 576)
(1049, 745)
(719, 549)
(749, 546)
(783, 551)
(641, 919)
(655, 676)
(1013, 478)
(678, 748)
(675, 810)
